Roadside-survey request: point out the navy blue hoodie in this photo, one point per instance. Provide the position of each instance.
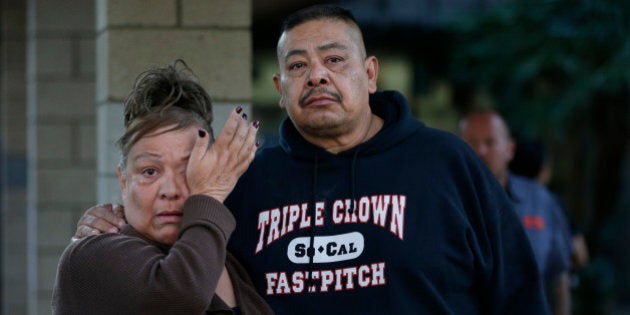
(409, 222)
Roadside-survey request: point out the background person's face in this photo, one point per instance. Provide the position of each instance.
(487, 135)
(153, 184)
(324, 80)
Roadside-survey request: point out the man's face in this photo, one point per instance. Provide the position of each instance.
(325, 79)
(487, 134)
(153, 184)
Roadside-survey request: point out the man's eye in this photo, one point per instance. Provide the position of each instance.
(149, 171)
(295, 66)
(334, 59)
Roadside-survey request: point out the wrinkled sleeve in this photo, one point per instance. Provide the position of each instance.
(118, 273)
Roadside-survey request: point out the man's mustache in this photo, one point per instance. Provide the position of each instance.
(310, 92)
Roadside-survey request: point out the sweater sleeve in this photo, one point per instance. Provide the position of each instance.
(115, 273)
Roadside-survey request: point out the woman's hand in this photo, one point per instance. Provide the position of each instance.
(214, 171)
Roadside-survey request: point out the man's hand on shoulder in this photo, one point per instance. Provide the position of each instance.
(104, 218)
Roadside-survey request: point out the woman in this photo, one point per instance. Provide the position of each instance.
(171, 257)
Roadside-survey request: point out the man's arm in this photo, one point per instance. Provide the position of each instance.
(103, 218)
(561, 292)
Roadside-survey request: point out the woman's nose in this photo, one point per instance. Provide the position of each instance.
(173, 186)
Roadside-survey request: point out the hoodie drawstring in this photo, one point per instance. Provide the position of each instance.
(311, 247)
(352, 181)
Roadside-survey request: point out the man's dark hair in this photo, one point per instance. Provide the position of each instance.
(529, 158)
(317, 12)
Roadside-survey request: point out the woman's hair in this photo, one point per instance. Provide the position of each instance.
(162, 97)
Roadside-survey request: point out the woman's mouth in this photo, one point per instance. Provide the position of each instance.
(170, 216)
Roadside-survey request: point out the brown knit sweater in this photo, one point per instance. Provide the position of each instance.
(128, 274)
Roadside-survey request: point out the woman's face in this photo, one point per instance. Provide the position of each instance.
(153, 184)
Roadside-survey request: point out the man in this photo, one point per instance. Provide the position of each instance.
(362, 209)
(541, 215)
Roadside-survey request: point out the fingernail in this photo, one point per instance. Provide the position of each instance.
(244, 116)
(256, 124)
(202, 133)
(112, 230)
(257, 143)
(239, 109)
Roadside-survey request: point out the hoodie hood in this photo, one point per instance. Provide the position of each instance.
(391, 106)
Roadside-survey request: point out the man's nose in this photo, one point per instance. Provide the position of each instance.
(318, 75)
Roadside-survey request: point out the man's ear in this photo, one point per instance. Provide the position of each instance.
(371, 67)
(278, 86)
(511, 148)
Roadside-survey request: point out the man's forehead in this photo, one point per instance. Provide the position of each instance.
(303, 33)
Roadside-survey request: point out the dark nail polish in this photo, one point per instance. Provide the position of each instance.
(244, 116)
(202, 133)
(256, 124)
(257, 143)
(239, 109)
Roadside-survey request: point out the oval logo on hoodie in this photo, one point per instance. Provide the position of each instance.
(326, 249)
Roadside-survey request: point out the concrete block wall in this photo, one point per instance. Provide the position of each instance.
(13, 255)
(62, 121)
(66, 66)
(212, 36)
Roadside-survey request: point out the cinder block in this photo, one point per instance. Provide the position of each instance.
(13, 21)
(137, 13)
(220, 59)
(66, 185)
(14, 224)
(14, 277)
(233, 13)
(44, 306)
(47, 270)
(109, 127)
(87, 142)
(55, 227)
(15, 55)
(102, 67)
(65, 15)
(221, 112)
(108, 189)
(87, 58)
(16, 139)
(54, 57)
(65, 99)
(54, 141)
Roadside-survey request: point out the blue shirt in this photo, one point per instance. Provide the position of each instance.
(544, 223)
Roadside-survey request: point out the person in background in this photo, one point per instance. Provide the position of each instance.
(170, 257)
(361, 208)
(489, 136)
(532, 160)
